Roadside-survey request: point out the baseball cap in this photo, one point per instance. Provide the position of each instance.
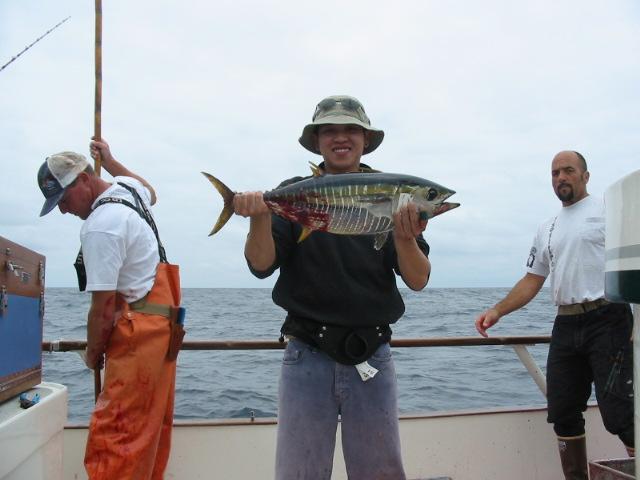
(56, 173)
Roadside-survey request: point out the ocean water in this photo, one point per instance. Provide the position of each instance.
(237, 384)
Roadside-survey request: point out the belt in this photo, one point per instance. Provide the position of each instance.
(579, 308)
(143, 306)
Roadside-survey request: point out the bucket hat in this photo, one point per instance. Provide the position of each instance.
(56, 173)
(340, 110)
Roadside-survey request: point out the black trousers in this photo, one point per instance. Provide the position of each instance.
(593, 347)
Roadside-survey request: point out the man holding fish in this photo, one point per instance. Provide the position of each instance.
(340, 295)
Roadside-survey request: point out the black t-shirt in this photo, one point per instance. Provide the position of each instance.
(335, 279)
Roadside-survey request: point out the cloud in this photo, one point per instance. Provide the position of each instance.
(476, 96)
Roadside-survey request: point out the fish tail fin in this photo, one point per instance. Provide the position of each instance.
(444, 207)
(227, 197)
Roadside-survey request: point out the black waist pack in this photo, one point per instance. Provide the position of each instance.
(349, 346)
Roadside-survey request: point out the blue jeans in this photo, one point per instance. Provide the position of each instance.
(585, 349)
(314, 390)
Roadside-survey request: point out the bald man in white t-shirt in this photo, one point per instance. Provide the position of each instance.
(591, 339)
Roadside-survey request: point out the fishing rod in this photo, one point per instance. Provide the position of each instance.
(97, 115)
(33, 43)
(97, 123)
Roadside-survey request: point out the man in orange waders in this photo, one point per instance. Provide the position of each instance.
(134, 319)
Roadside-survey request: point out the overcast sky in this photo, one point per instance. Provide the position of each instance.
(476, 96)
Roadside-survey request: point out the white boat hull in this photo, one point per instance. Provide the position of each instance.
(499, 444)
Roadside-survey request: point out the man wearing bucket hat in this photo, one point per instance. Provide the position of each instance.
(340, 296)
(123, 265)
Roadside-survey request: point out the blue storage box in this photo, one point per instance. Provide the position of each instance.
(21, 314)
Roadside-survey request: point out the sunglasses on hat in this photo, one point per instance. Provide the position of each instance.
(341, 104)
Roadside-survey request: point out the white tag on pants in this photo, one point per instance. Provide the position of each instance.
(366, 371)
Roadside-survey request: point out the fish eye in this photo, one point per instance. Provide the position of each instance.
(431, 194)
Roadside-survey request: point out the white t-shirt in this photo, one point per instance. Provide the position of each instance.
(570, 247)
(119, 248)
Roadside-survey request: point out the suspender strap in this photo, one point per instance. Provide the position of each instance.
(142, 210)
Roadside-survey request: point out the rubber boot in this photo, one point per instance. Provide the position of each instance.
(573, 455)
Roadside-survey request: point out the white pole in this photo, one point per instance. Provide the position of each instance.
(532, 367)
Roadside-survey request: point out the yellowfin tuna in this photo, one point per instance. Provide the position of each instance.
(347, 204)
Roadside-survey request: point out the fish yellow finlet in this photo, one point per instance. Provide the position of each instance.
(304, 234)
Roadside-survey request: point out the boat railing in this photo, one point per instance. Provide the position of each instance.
(518, 343)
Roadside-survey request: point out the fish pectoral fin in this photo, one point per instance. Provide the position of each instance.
(380, 209)
(380, 238)
(304, 234)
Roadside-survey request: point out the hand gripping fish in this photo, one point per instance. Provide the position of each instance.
(347, 204)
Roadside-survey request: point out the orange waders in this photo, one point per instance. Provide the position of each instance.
(130, 429)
